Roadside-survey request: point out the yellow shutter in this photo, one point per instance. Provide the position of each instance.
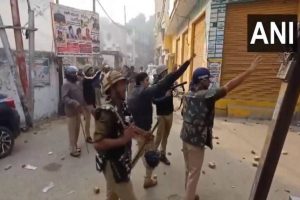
(263, 84)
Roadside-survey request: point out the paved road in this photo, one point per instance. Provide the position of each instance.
(75, 178)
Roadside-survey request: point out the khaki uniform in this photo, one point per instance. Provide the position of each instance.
(163, 131)
(115, 191)
(196, 133)
(72, 97)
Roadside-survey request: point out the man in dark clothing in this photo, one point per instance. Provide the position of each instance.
(140, 105)
(164, 111)
(89, 81)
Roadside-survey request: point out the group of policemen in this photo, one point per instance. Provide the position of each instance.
(124, 116)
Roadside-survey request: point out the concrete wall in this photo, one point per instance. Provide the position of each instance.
(46, 96)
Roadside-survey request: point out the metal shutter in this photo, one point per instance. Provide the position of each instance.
(263, 84)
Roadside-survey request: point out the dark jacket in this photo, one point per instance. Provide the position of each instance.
(89, 89)
(140, 100)
(164, 104)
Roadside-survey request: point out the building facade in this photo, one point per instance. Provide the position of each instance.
(216, 31)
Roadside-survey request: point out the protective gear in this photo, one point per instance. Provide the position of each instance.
(152, 158)
(199, 74)
(71, 70)
(71, 73)
(161, 69)
(88, 70)
(110, 79)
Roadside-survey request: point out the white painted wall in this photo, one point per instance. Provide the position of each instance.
(46, 98)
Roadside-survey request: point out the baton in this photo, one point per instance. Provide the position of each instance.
(140, 151)
(86, 144)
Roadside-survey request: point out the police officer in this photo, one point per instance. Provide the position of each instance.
(72, 97)
(113, 134)
(198, 118)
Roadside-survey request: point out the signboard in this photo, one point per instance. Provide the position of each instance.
(75, 32)
(214, 66)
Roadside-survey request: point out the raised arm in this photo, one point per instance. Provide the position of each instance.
(167, 82)
(241, 77)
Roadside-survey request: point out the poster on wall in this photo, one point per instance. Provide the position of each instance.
(41, 72)
(75, 32)
(214, 66)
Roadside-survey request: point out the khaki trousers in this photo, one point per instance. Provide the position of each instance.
(74, 129)
(148, 146)
(87, 117)
(116, 191)
(193, 157)
(163, 131)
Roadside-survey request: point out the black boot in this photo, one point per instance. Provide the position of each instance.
(164, 159)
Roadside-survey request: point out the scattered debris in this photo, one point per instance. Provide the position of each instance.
(8, 167)
(216, 137)
(25, 141)
(233, 186)
(96, 190)
(169, 153)
(225, 120)
(50, 153)
(48, 187)
(284, 152)
(212, 165)
(218, 142)
(253, 152)
(244, 158)
(255, 164)
(257, 158)
(71, 192)
(203, 172)
(34, 133)
(30, 167)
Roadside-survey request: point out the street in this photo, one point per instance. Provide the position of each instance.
(75, 178)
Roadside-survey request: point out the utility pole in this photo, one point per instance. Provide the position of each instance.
(20, 59)
(94, 6)
(31, 58)
(277, 133)
(15, 73)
